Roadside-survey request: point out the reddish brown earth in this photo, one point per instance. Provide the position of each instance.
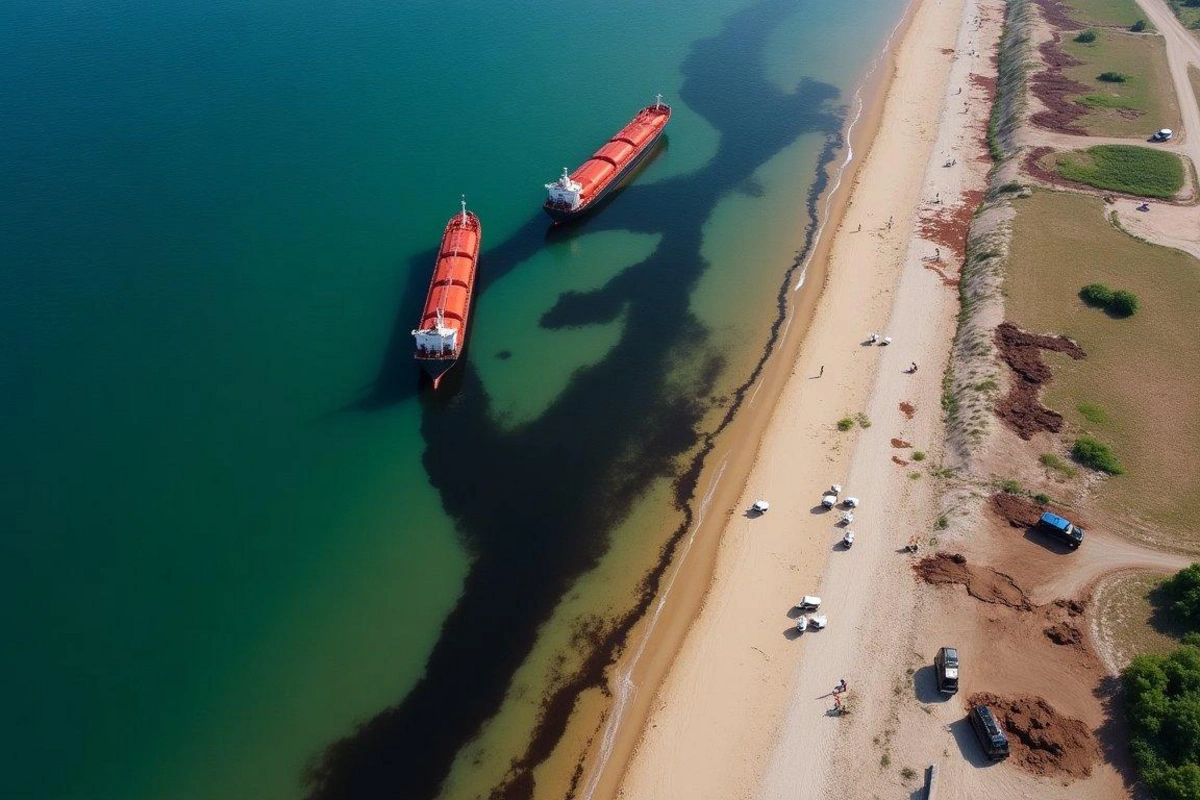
(947, 225)
(899, 443)
(1019, 512)
(1058, 14)
(982, 583)
(1064, 633)
(1021, 409)
(1043, 741)
(1054, 88)
(907, 409)
(900, 461)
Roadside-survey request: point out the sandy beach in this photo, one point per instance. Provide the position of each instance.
(742, 711)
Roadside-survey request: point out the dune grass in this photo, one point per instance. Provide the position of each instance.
(1123, 168)
(1135, 391)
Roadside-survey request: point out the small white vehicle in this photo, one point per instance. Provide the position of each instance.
(847, 518)
(1163, 135)
(830, 498)
(809, 603)
(851, 502)
(760, 507)
(886, 340)
(848, 540)
(818, 622)
(801, 624)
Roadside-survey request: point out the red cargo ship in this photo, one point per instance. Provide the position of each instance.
(574, 193)
(443, 327)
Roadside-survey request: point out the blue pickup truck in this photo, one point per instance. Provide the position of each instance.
(1060, 528)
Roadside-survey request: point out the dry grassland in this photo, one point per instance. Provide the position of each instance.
(1141, 373)
(1139, 106)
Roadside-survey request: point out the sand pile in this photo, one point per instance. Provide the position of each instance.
(1021, 409)
(1042, 741)
(982, 583)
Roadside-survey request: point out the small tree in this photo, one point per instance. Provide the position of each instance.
(1139, 26)
(1182, 590)
(1087, 37)
(1112, 77)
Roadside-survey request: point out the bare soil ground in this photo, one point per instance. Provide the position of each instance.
(1043, 741)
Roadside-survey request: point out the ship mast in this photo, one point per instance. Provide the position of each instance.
(658, 101)
(464, 210)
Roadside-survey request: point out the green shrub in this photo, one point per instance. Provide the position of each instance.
(1096, 455)
(1124, 303)
(862, 419)
(1182, 593)
(1042, 499)
(1162, 707)
(1011, 487)
(1112, 77)
(1087, 37)
(941, 523)
(1096, 294)
(918, 455)
(845, 424)
(1139, 26)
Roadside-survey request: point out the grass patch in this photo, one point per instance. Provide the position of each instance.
(914, 476)
(1123, 168)
(1053, 462)
(1130, 622)
(1095, 454)
(863, 420)
(1093, 414)
(1141, 104)
(1010, 487)
(1106, 13)
(845, 423)
(918, 455)
(941, 523)
(1139, 377)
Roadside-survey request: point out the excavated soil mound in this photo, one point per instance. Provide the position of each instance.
(1043, 741)
(1064, 633)
(1019, 512)
(982, 583)
(900, 461)
(898, 443)
(1021, 409)
(907, 409)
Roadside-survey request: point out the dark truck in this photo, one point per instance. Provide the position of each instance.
(945, 665)
(1061, 529)
(991, 735)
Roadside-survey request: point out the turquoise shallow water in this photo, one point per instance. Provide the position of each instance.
(225, 540)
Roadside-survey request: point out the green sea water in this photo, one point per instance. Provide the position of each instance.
(214, 561)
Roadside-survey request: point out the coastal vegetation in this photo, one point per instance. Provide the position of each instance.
(1053, 462)
(1134, 390)
(1119, 302)
(1095, 454)
(1112, 77)
(1142, 102)
(1087, 37)
(1106, 13)
(1162, 693)
(1124, 168)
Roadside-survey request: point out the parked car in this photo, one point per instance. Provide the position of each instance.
(1061, 528)
(945, 666)
(991, 735)
(1163, 135)
(809, 603)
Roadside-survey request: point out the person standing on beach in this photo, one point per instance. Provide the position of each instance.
(822, 372)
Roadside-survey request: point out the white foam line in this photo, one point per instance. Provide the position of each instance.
(782, 335)
(841, 171)
(625, 688)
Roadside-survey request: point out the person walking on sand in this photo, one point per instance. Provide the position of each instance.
(822, 372)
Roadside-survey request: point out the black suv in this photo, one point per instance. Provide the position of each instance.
(945, 664)
(991, 735)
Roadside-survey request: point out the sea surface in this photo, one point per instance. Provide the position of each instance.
(244, 551)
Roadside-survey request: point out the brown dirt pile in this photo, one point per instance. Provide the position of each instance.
(1019, 512)
(900, 443)
(982, 583)
(1043, 741)
(907, 409)
(1021, 409)
(1064, 633)
(900, 461)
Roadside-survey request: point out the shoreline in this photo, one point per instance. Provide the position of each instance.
(668, 753)
(692, 572)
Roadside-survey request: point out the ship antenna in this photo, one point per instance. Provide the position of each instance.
(464, 208)
(566, 176)
(658, 100)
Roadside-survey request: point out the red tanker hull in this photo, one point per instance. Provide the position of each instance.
(442, 331)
